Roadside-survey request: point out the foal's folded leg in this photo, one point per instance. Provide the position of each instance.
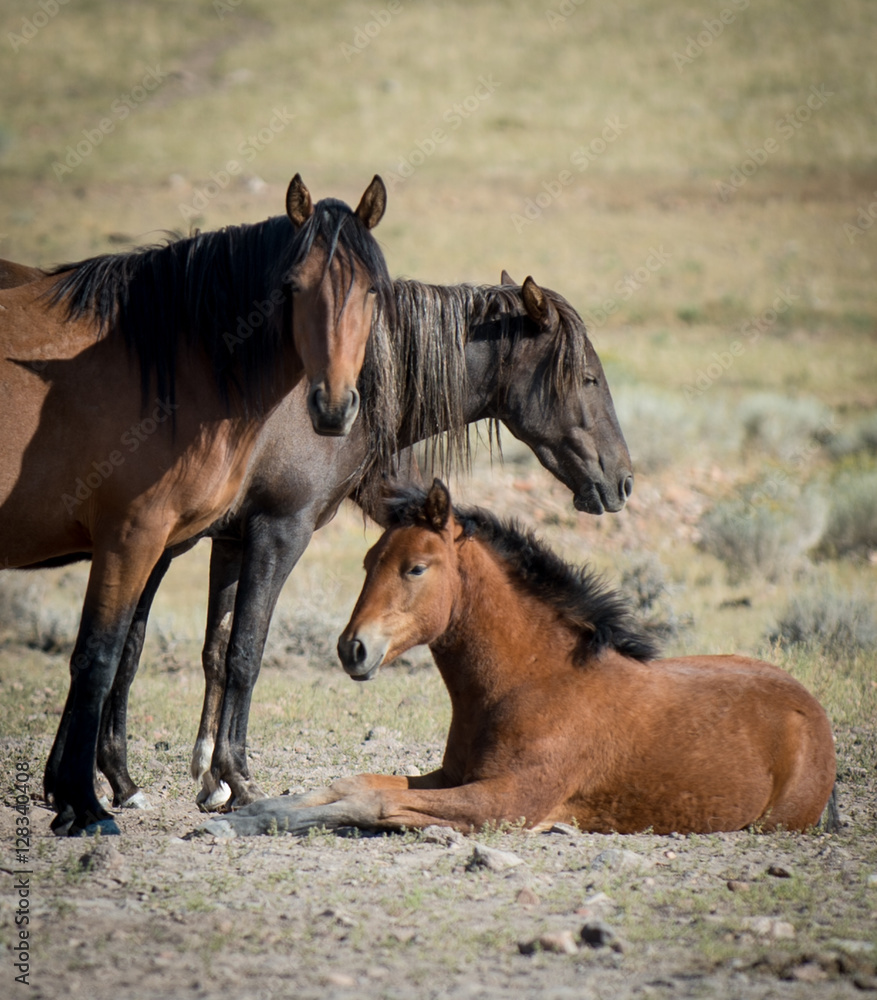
(387, 802)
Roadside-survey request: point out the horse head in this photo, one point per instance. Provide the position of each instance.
(336, 271)
(558, 374)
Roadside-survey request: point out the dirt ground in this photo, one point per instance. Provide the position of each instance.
(160, 912)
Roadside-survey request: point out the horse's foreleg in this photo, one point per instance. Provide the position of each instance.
(225, 571)
(382, 802)
(118, 576)
(273, 548)
(112, 747)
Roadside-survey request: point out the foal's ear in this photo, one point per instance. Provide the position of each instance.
(437, 508)
(506, 279)
(539, 307)
(299, 206)
(372, 204)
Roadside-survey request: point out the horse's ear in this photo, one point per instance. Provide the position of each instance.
(299, 206)
(506, 279)
(437, 508)
(539, 307)
(372, 204)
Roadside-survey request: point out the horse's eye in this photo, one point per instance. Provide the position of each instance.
(417, 570)
(591, 379)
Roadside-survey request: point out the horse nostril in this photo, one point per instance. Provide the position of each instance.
(351, 652)
(317, 397)
(626, 486)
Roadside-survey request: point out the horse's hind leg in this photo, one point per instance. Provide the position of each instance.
(225, 569)
(114, 585)
(112, 747)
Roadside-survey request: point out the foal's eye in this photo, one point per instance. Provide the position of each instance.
(417, 570)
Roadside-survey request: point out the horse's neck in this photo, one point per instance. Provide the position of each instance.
(498, 631)
(483, 345)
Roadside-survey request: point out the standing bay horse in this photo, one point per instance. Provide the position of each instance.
(132, 390)
(516, 354)
(559, 711)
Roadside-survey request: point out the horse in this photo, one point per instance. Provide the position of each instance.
(132, 391)
(560, 713)
(13, 274)
(518, 354)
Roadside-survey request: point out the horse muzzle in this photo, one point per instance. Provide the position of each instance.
(359, 657)
(332, 418)
(597, 498)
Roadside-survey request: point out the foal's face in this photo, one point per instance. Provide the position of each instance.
(332, 316)
(407, 599)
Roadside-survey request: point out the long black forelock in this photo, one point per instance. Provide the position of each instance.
(600, 616)
(338, 229)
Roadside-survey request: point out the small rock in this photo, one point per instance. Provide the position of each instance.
(594, 907)
(339, 979)
(808, 972)
(404, 935)
(556, 942)
(620, 860)
(853, 947)
(597, 934)
(736, 886)
(872, 880)
(339, 916)
(779, 872)
(493, 860)
(564, 828)
(526, 897)
(104, 857)
(444, 835)
(769, 927)
(559, 943)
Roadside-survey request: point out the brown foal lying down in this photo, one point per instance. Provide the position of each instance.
(560, 714)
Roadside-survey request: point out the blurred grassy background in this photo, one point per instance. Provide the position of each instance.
(712, 195)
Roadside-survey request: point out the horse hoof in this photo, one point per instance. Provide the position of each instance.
(62, 823)
(137, 801)
(213, 801)
(216, 828)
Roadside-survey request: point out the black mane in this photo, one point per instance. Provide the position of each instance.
(601, 616)
(427, 375)
(202, 291)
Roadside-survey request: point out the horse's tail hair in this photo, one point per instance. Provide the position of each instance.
(829, 821)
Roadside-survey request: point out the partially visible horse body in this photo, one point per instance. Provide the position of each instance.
(516, 354)
(132, 390)
(559, 711)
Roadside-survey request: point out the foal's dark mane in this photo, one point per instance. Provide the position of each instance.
(202, 291)
(602, 617)
(428, 377)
